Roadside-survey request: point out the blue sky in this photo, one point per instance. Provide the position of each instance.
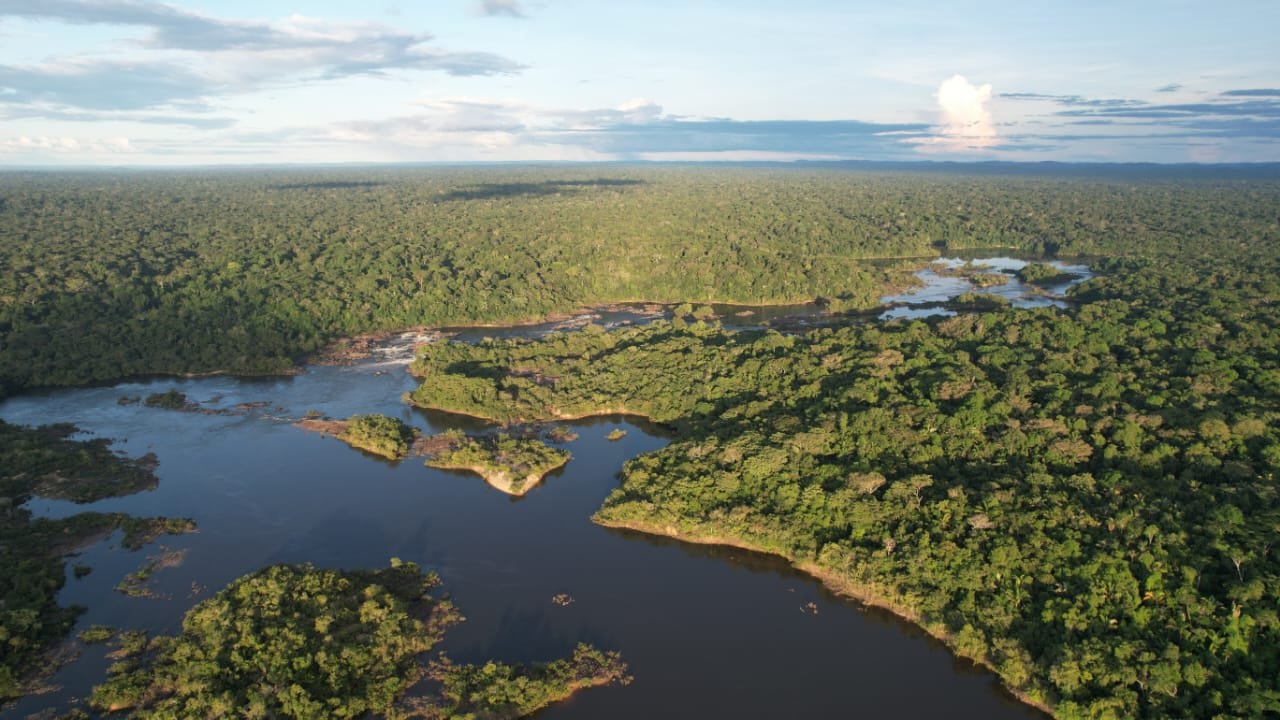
(135, 82)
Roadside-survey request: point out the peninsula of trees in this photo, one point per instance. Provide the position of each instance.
(1085, 500)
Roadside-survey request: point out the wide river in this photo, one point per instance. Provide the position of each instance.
(707, 632)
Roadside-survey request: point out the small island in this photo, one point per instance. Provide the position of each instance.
(380, 435)
(510, 464)
(978, 302)
(978, 275)
(168, 400)
(1043, 274)
(562, 434)
(342, 644)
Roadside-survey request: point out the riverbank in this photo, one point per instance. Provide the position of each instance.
(502, 480)
(837, 583)
(555, 417)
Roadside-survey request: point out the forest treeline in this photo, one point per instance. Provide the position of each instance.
(1086, 500)
(110, 274)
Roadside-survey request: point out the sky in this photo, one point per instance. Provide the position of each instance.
(136, 82)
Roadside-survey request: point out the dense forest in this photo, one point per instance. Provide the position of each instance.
(110, 274)
(1085, 500)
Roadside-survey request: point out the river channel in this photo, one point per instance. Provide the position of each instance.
(707, 632)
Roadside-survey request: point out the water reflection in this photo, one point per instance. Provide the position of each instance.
(944, 280)
(708, 632)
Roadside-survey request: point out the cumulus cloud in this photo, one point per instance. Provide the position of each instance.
(965, 120)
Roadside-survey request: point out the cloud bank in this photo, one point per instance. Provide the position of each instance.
(637, 130)
(185, 59)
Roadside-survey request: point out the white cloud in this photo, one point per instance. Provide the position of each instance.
(64, 144)
(965, 122)
(188, 57)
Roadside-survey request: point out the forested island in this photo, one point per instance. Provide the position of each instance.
(513, 465)
(299, 642)
(1081, 498)
(380, 435)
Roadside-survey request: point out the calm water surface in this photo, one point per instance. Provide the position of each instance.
(937, 287)
(708, 632)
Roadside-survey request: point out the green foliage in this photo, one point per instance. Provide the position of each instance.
(293, 641)
(44, 461)
(978, 301)
(562, 434)
(116, 274)
(32, 569)
(288, 641)
(1042, 274)
(1084, 499)
(379, 434)
(96, 635)
(496, 690)
(502, 459)
(168, 400)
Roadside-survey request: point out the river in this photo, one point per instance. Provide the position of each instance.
(707, 632)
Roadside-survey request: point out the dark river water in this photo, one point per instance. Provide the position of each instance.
(707, 632)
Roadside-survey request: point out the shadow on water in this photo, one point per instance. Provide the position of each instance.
(492, 191)
(330, 539)
(529, 635)
(809, 588)
(445, 419)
